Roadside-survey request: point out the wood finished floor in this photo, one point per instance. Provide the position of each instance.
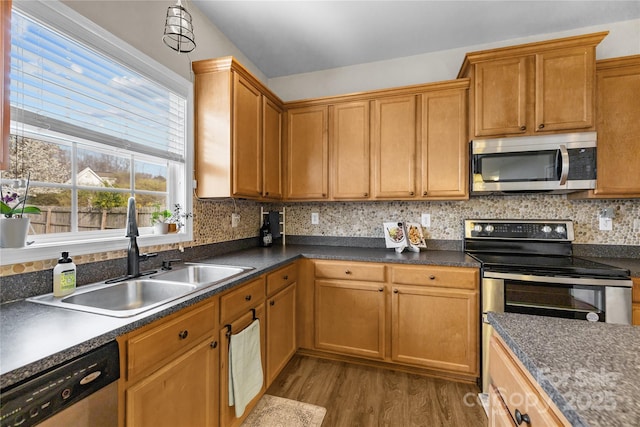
(362, 396)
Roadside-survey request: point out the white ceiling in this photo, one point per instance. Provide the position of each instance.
(290, 37)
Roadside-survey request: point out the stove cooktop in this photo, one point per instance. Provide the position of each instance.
(547, 265)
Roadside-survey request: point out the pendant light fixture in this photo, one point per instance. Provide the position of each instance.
(178, 29)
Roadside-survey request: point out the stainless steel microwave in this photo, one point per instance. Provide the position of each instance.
(560, 163)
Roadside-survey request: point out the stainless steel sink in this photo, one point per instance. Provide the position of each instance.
(134, 296)
(201, 274)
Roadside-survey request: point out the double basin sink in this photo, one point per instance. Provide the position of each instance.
(133, 296)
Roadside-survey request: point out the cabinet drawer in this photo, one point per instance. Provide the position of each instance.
(240, 300)
(281, 278)
(350, 271)
(516, 390)
(446, 277)
(157, 344)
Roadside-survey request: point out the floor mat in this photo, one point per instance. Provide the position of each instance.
(273, 411)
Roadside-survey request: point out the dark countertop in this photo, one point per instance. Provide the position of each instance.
(591, 371)
(35, 337)
(631, 264)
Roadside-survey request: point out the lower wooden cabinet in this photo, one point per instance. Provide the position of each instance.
(182, 393)
(515, 393)
(420, 316)
(281, 331)
(170, 370)
(435, 327)
(350, 317)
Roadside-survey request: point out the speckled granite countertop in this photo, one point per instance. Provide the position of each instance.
(591, 371)
(35, 337)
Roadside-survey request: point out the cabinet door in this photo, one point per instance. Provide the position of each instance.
(394, 147)
(307, 153)
(349, 144)
(228, 413)
(618, 124)
(247, 138)
(182, 393)
(272, 149)
(435, 327)
(635, 314)
(501, 96)
(564, 87)
(444, 145)
(350, 318)
(281, 331)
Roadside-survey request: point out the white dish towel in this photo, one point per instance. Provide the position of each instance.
(245, 367)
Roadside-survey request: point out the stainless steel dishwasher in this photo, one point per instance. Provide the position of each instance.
(82, 392)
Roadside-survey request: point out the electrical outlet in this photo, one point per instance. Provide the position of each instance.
(636, 225)
(315, 218)
(606, 224)
(426, 220)
(235, 220)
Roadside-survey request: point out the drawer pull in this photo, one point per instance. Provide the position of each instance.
(214, 344)
(432, 277)
(395, 291)
(183, 334)
(520, 418)
(523, 128)
(248, 298)
(272, 303)
(347, 272)
(285, 278)
(380, 289)
(541, 126)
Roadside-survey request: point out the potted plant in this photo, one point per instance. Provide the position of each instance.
(160, 219)
(14, 225)
(178, 218)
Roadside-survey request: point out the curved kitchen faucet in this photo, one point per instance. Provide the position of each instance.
(133, 253)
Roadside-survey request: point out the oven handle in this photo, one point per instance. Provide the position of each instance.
(561, 280)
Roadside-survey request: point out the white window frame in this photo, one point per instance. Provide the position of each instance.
(58, 15)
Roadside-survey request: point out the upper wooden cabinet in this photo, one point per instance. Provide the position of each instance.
(444, 143)
(394, 147)
(618, 124)
(543, 87)
(238, 132)
(349, 150)
(307, 153)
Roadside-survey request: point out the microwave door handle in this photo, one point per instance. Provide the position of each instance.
(564, 173)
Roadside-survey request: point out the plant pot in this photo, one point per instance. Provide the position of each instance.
(13, 232)
(160, 228)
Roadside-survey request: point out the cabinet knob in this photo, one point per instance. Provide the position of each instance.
(522, 418)
(541, 126)
(324, 194)
(183, 334)
(366, 194)
(380, 289)
(424, 193)
(395, 291)
(214, 344)
(411, 193)
(272, 303)
(347, 272)
(248, 298)
(523, 128)
(285, 277)
(432, 277)
(266, 193)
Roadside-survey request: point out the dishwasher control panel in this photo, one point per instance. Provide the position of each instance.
(50, 392)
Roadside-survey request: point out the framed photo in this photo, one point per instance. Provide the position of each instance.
(414, 235)
(394, 235)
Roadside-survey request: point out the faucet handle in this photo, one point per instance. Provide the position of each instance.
(166, 264)
(144, 257)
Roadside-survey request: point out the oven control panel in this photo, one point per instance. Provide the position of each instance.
(549, 230)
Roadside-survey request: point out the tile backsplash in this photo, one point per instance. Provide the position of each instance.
(212, 221)
(364, 219)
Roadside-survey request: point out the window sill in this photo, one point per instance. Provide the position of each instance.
(52, 249)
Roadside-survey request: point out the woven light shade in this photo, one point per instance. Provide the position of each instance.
(178, 29)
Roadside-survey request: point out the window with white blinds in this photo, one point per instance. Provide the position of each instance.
(93, 121)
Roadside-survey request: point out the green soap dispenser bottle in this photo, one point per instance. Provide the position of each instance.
(64, 276)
